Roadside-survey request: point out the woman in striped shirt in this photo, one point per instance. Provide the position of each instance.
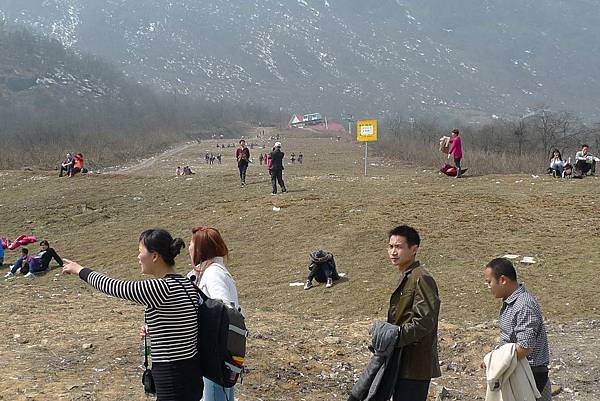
(171, 318)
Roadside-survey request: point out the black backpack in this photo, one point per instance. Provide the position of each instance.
(222, 338)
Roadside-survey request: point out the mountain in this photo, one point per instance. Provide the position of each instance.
(464, 57)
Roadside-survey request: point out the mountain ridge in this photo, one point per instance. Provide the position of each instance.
(466, 57)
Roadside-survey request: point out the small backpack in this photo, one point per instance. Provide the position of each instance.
(222, 339)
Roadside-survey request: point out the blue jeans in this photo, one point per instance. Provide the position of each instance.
(17, 265)
(214, 392)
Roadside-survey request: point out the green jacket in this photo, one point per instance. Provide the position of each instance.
(415, 306)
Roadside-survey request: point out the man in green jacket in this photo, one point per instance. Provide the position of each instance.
(414, 308)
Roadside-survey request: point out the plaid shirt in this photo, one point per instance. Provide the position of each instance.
(521, 322)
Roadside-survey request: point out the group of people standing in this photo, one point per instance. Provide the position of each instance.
(273, 161)
(170, 301)
(72, 165)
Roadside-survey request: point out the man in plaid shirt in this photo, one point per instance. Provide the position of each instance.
(521, 321)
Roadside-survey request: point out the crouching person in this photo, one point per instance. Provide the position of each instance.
(322, 268)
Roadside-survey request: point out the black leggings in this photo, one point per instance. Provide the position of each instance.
(179, 380)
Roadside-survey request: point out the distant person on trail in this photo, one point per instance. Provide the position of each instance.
(300, 158)
(66, 165)
(207, 158)
(36, 264)
(412, 323)
(456, 151)
(207, 250)
(293, 158)
(78, 164)
(261, 158)
(1, 255)
(557, 164)
(187, 170)
(171, 319)
(521, 323)
(584, 162)
(219, 158)
(276, 168)
(178, 171)
(242, 155)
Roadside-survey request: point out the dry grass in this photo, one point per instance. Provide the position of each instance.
(464, 223)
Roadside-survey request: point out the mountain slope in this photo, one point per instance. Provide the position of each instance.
(489, 56)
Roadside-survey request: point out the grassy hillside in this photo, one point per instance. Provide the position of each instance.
(305, 345)
(54, 100)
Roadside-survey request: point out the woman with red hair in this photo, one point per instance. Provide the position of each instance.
(207, 251)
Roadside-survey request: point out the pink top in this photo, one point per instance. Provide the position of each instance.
(456, 149)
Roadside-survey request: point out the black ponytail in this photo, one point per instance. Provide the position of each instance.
(160, 241)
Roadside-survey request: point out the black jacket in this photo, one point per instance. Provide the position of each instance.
(46, 256)
(378, 380)
(276, 157)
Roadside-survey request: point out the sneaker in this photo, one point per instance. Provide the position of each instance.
(29, 275)
(308, 285)
(329, 283)
(283, 190)
(9, 274)
(273, 193)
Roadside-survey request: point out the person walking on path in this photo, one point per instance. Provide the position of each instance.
(521, 321)
(414, 308)
(456, 151)
(276, 168)
(242, 155)
(207, 251)
(172, 320)
(261, 158)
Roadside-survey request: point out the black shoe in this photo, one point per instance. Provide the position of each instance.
(283, 190)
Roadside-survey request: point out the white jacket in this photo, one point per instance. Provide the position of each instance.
(507, 378)
(216, 282)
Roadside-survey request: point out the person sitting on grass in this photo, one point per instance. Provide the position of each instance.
(584, 162)
(557, 164)
(66, 165)
(21, 264)
(29, 265)
(77, 164)
(322, 268)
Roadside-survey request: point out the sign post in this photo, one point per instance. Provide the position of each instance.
(366, 131)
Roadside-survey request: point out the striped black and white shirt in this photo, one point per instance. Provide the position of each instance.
(170, 314)
(521, 322)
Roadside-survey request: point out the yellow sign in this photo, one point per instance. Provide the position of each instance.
(366, 130)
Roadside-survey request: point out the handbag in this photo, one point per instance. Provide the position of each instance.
(147, 378)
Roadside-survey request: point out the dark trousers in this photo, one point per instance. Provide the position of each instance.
(411, 390)
(178, 381)
(64, 169)
(277, 177)
(243, 166)
(320, 270)
(457, 164)
(585, 167)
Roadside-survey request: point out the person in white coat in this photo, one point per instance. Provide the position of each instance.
(509, 379)
(208, 252)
